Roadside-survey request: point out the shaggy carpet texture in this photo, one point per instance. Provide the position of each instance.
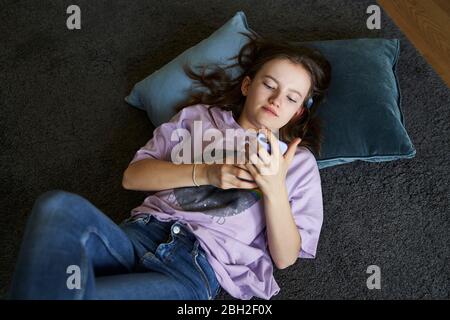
(65, 125)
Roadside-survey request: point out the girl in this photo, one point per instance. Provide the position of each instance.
(204, 226)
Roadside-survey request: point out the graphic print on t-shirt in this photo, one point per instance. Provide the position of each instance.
(216, 202)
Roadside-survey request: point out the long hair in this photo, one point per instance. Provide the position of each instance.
(225, 92)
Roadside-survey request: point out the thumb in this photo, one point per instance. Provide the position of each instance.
(291, 149)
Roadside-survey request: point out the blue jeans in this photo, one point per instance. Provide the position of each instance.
(71, 250)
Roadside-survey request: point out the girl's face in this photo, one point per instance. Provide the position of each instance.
(275, 95)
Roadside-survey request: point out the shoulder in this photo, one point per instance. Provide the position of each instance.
(304, 156)
(195, 111)
(213, 114)
(303, 170)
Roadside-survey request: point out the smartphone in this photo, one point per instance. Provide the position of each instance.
(265, 143)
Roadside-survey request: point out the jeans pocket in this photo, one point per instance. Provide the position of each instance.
(139, 218)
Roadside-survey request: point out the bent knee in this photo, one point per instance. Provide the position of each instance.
(52, 201)
(52, 198)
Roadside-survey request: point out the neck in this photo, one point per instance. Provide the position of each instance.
(245, 123)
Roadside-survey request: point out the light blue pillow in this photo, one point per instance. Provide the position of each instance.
(168, 86)
(361, 116)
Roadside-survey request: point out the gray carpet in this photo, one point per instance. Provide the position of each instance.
(65, 125)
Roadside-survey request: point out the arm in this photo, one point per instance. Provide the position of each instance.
(155, 175)
(283, 236)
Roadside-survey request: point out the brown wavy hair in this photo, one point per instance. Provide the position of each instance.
(225, 92)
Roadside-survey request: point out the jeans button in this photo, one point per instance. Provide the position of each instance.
(176, 229)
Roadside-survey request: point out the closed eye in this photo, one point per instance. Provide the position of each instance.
(269, 87)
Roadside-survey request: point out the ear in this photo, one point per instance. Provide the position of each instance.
(244, 85)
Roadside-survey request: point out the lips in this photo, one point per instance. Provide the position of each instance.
(271, 110)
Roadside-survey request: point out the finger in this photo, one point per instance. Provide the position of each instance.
(246, 151)
(252, 147)
(289, 155)
(274, 145)
(255, 160)
(252, 170)
(265, 156)
(244, 184)
(243, 174)
(253, 152)
(255, 163)
(241, 166)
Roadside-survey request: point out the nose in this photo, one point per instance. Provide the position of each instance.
(275, 100)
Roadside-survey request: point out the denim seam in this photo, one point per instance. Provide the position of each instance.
(195, 254)
(216, 292)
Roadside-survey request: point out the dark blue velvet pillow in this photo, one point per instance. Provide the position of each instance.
(362, 117)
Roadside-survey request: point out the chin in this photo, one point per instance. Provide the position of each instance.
(261, 124)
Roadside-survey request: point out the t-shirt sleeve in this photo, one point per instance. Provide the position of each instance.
(306, 202)
(160, 145)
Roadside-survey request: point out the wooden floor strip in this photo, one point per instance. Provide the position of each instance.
(426, 23)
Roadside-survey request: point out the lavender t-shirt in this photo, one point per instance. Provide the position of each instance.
(230, 223)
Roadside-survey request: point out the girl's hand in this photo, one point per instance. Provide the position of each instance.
(228, 176)
(269, 170)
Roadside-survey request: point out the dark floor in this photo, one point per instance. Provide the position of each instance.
(65, 125)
